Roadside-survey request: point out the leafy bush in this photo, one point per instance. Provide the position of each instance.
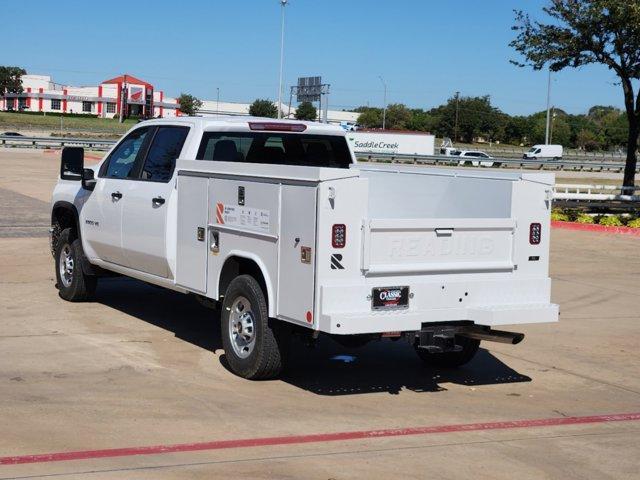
(634, 223)
(610, 221)
(558, 215)
(584, 218)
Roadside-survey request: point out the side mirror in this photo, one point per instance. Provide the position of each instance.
(72, 163)
(88, 179)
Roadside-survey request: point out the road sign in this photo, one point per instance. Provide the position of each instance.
(309, 89)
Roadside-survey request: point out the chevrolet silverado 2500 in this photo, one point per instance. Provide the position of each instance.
(277, 223)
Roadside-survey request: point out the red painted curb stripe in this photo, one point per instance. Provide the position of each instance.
(313, 438)
(589, 227)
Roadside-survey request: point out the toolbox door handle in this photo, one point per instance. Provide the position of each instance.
(444, 232)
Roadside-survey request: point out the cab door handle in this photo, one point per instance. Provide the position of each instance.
(116, 195)
(157, 201)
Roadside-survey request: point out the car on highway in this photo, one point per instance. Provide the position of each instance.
(476, 158)
(12, 134)
(276, 223)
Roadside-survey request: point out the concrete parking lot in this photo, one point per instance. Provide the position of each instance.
(143, 367)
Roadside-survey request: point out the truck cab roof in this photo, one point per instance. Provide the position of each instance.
(243, 123)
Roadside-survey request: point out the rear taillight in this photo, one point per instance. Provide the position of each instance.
(339, 235)
(535, 233)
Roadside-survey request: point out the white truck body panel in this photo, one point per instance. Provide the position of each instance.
(391, 143)
(459, 240)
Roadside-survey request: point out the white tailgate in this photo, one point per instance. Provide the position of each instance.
(438, 245)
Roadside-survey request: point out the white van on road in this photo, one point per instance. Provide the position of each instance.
(544, 152)
(277, 223)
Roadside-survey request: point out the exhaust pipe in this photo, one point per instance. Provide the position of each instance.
(489, 335)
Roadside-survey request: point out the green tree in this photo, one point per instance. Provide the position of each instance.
(421, 121)
(615, 129)
(582, 32)
(370, 117)
(263, 108)
(517, 130)
(475, 118)
(306, 111)
(588, 140)
(189, 104)
(398, 116)
(10, 79)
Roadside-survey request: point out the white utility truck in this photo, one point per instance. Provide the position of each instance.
(275, 222)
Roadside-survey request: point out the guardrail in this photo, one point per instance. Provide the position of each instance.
(585, 165)
(52, 142)
(588, 166)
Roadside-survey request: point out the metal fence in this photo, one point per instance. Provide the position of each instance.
(574, 165)
(595, 193)
(55, 142)
(591, 165)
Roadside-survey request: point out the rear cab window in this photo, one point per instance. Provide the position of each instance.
(276, 148)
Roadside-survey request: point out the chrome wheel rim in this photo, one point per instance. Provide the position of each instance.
(66, 265)
(242, 327)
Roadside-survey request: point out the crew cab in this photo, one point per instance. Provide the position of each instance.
(276, 223)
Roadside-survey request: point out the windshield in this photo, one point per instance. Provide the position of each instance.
(533, 149)
(276, 148)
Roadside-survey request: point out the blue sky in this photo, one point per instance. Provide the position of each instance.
(424, 49)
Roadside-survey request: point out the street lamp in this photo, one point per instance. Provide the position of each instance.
(548, 128)
(384, 109)
(283, 4)
(217, 100)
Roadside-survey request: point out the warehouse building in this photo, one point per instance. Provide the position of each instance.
(126, 93)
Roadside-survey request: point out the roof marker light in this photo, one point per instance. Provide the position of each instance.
(278, 127)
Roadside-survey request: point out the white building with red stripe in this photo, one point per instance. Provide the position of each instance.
(137, 97)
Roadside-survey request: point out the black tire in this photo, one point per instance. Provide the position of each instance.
(263, 356)
(73, 285)
(451, 359)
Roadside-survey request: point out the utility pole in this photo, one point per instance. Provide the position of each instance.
(384, 108)
(455, 127)
(283, 4)
(217, 100)
(547, 130)
(123, 99)
(553, 117)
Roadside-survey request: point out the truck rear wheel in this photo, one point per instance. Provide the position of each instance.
(255, 347)
(451, 359)
(73, 284)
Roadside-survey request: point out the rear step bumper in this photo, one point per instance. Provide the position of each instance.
(415, 320)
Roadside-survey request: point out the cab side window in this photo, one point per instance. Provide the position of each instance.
(123, 158)
(164, 150)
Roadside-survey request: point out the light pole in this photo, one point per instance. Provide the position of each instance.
(217, 100)
(546, 134)
(283, 3)
(384, 108)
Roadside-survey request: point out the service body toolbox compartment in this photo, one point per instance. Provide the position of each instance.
(371, 249)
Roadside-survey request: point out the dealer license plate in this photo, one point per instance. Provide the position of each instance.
(389, 298)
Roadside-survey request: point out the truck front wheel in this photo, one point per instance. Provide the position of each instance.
(451, 359)
(73, 284)
(255, 346)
